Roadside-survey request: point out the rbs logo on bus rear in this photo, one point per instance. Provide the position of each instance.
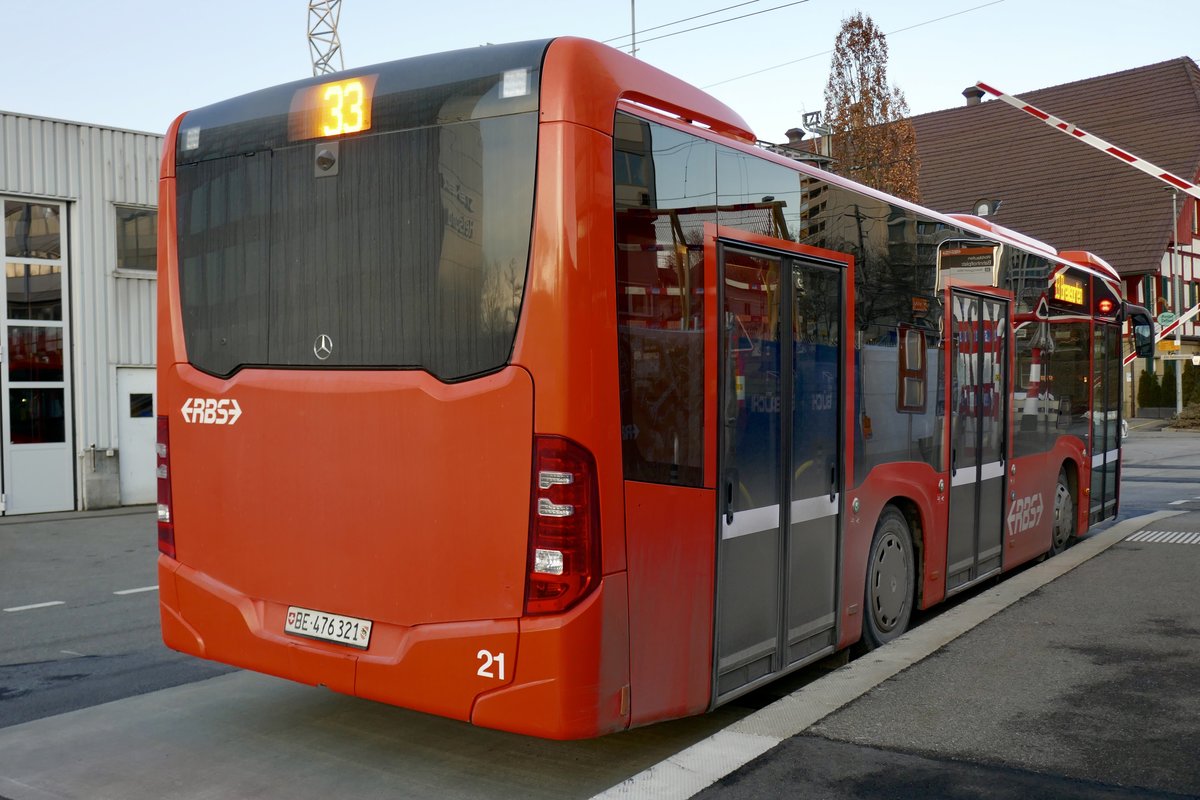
(211, 411)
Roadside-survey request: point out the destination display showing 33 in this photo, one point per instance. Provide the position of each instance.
(332, 109)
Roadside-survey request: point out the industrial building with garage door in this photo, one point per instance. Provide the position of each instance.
(77, 396)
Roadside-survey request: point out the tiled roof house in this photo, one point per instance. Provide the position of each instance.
(1071, 195)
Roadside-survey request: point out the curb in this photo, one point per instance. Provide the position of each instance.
(70, 516)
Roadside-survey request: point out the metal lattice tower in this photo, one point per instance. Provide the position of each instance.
(323, 42)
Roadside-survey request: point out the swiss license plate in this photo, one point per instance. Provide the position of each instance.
(350, 631)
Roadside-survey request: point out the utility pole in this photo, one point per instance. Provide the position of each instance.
(1177, 291)
(633, 26)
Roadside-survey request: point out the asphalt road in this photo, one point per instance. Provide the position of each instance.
(1160, 470)
(79, 614)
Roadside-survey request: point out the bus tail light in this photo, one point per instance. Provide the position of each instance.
(166, 518)
(564, 526)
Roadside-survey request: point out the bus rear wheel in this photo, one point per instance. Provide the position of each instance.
(891, 580)
(1062, 534)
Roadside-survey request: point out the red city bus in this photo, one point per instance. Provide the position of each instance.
(519, 385)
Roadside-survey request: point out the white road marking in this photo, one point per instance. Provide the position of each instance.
(71, 653)
(1178, 502)
(136, 591)
(36, 605)
(1166, 537)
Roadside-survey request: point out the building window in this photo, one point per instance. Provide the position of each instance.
(32, 230)
(141, 405)
(137, 246)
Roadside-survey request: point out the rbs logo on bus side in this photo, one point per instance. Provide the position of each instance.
(211, 411)
(1025, 513)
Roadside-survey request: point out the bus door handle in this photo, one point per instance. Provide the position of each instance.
(953, 461)
(731, 478)
(832, 483)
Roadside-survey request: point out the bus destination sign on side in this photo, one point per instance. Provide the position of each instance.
(965, 263)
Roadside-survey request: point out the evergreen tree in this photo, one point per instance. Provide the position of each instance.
(1148, 390)
(1191, 384)
(1166, 387)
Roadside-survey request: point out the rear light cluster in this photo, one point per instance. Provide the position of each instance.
(166, 519)
(564, 527)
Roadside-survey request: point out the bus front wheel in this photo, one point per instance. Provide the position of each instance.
(891, 576)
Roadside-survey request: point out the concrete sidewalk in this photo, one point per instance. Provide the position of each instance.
(1145, 424)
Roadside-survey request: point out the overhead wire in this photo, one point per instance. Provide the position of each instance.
(678, 22)
(718, 22)
(827, 52)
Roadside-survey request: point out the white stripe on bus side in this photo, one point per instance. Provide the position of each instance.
(750, 520)
(766, 518)
(814, 508)
(987, 472)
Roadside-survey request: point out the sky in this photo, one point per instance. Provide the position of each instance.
(136, 65)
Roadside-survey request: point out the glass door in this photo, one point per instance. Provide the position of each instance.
(779, 463)
(35, 400)
(1106, 419)
(978, 437)
(749, 583)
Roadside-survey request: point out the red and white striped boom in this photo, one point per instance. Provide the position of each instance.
(1095, 141)
(1168, 330)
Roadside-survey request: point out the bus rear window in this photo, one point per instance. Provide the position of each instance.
(414, 255)
(402, 245)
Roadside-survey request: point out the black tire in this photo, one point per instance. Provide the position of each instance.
(1062, 523)
(891, 581)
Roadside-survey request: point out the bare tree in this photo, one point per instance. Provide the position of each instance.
(873, 142)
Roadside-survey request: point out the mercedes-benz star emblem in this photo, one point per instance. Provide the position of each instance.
(323, 347)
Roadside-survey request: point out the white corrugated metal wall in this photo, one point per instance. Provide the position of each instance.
(112, 312)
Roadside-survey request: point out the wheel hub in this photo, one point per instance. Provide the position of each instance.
(889, 570)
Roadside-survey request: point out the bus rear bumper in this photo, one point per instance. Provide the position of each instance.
(572, 677)
(204, 618)
(569, 681)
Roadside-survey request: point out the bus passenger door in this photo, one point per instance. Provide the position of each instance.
(978, 437)
(1105, 444)
(779, 465)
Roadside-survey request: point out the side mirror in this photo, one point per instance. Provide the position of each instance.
(1143, 333)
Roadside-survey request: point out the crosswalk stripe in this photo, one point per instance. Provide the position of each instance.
(1166, 537)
